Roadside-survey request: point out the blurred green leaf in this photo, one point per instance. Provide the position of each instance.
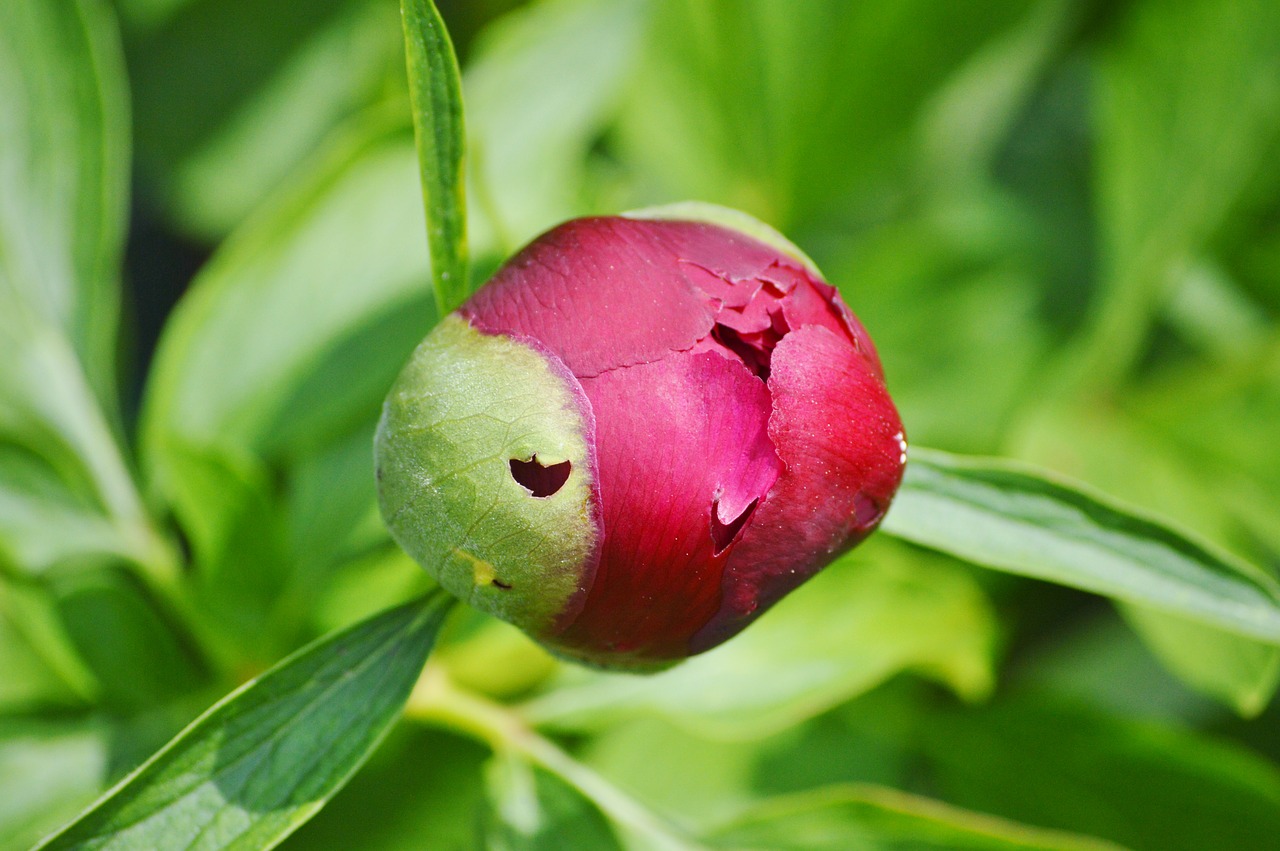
(49, 770)
(435, 91)
(38, 666)
(421, 790)
(1242, 673)
(232, 95)
(224, 501)
(570, 59)
(268, 756)
(1013, 518)
(257, 376)
(63, 196)
(954, 312)
(857, 623)
(1186, 112)
(1122, 450)
(722, 111)
(1150, 787)
(136, 651)
(530, 809)
(44, 523)
(253, 359)
(64, 172)
(873, 818)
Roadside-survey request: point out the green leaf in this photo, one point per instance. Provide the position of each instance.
(49, 770)
(436, 94)
(38, 667)
(63, 197)
(252, 360)
(1013, 518)
(1184, 122)
(568, 58)
(1148, 786)
(532, 810)
(423, 789)
(64, 173)
(225, 111)
(721, 110)
(264, 759)
(1240, 672)
(875, 818)
(863, 619)
(136, 651)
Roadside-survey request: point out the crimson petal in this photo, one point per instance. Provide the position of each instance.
(677, 440)
(841, 445)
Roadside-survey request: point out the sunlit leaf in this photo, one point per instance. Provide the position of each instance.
(872, 818)
(1013, 518)
(49, 770)
(435, 90)
(232, 95)
(530, 809)
(568, 58)
(267, 757)
(1148, 786)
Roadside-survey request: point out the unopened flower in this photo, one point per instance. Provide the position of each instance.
(640, 435)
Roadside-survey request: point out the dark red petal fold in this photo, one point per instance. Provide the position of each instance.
(841, 445)
(676, 440)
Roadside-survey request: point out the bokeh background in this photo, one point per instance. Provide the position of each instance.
(1060, 222)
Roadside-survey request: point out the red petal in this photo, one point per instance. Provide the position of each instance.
(601, 293)
(840, 441)
(676, 440)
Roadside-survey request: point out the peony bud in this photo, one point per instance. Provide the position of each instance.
(640, 435)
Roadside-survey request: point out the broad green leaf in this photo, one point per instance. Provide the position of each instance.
(253, 359)
(38, 667)
(423, 789)
(874, 818)
(1185, 118)
(568, 58)
(1147, 786)
(231, 95)
(1014, 518)
(64, 175)
(137, 651)
(63, 182)
(435, 91)
(1242, 673)
(530, 809)
(860, 621)
(44, 523)
(49, 770)
(1118, 449)
(722, 111)
(264, 759)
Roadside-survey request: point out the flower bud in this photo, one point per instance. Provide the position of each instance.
(640, 435)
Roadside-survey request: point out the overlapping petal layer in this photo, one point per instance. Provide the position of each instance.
(743, 433)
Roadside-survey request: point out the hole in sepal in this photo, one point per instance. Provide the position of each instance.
(538, 480)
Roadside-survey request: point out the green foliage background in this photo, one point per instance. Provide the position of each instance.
(1059, 220)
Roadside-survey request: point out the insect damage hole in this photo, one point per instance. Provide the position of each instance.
(538, 480)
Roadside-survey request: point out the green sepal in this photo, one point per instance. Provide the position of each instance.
(463, 408)
(726, 217)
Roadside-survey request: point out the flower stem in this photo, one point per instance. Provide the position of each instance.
(436, 700)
